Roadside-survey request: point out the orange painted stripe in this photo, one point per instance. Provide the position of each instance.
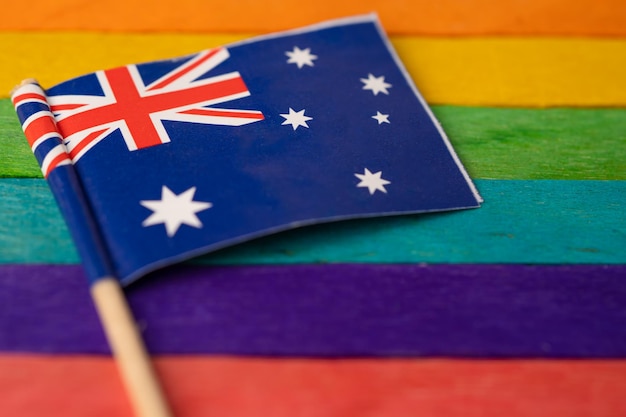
(423, 17)
(63, 386)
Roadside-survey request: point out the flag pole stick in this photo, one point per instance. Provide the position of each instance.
(131, 356)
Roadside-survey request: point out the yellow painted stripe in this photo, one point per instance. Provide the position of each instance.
(464, 71)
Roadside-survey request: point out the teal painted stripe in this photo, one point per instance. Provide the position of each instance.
(540, 221)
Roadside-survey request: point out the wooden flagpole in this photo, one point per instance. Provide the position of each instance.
(128, 350)
(124, 339)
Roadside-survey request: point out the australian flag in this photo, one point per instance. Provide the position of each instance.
(157, 162)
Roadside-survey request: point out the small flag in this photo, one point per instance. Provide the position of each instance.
(157, 162)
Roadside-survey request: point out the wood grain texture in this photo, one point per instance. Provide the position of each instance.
(502, 143)
(445, 17)
(497, 143)
(16, 157)
(61, 386)
(81, 386)
(331, 310)
(533, 72)
(128, 348)
(520, 222)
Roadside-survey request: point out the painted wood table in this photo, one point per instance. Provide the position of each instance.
(517, 308)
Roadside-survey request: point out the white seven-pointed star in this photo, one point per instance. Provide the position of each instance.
(375, 84)
(174, 210)
(373, 181)
(382, 118)
(296, 118)
(300, 57)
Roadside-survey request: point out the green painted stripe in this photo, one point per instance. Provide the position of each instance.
(524, 144)
(16, 158)
(520, 222)
(493, 143)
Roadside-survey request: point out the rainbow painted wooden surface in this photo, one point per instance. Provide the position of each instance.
(515, 309)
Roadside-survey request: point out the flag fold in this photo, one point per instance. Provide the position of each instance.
(170, 159)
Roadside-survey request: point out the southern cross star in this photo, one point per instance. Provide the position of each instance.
(300, 57)
(174, 210)
(296, 118)
(382, 118)
(375, 84)
(373, 182)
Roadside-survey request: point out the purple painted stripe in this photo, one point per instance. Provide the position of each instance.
(333, 310)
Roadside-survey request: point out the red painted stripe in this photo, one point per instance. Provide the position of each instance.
(62, 386)
(185, 70)
(37, 128)
(218, 113)
(55, 162)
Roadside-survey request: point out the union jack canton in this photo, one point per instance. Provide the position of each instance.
(138, 110)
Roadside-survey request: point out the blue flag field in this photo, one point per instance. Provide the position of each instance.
(157, 162)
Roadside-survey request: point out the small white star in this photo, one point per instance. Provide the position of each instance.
(375, 84)
(382, 118)
(295, 118)
(300, 57)
(373, 182)
(173, 210)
